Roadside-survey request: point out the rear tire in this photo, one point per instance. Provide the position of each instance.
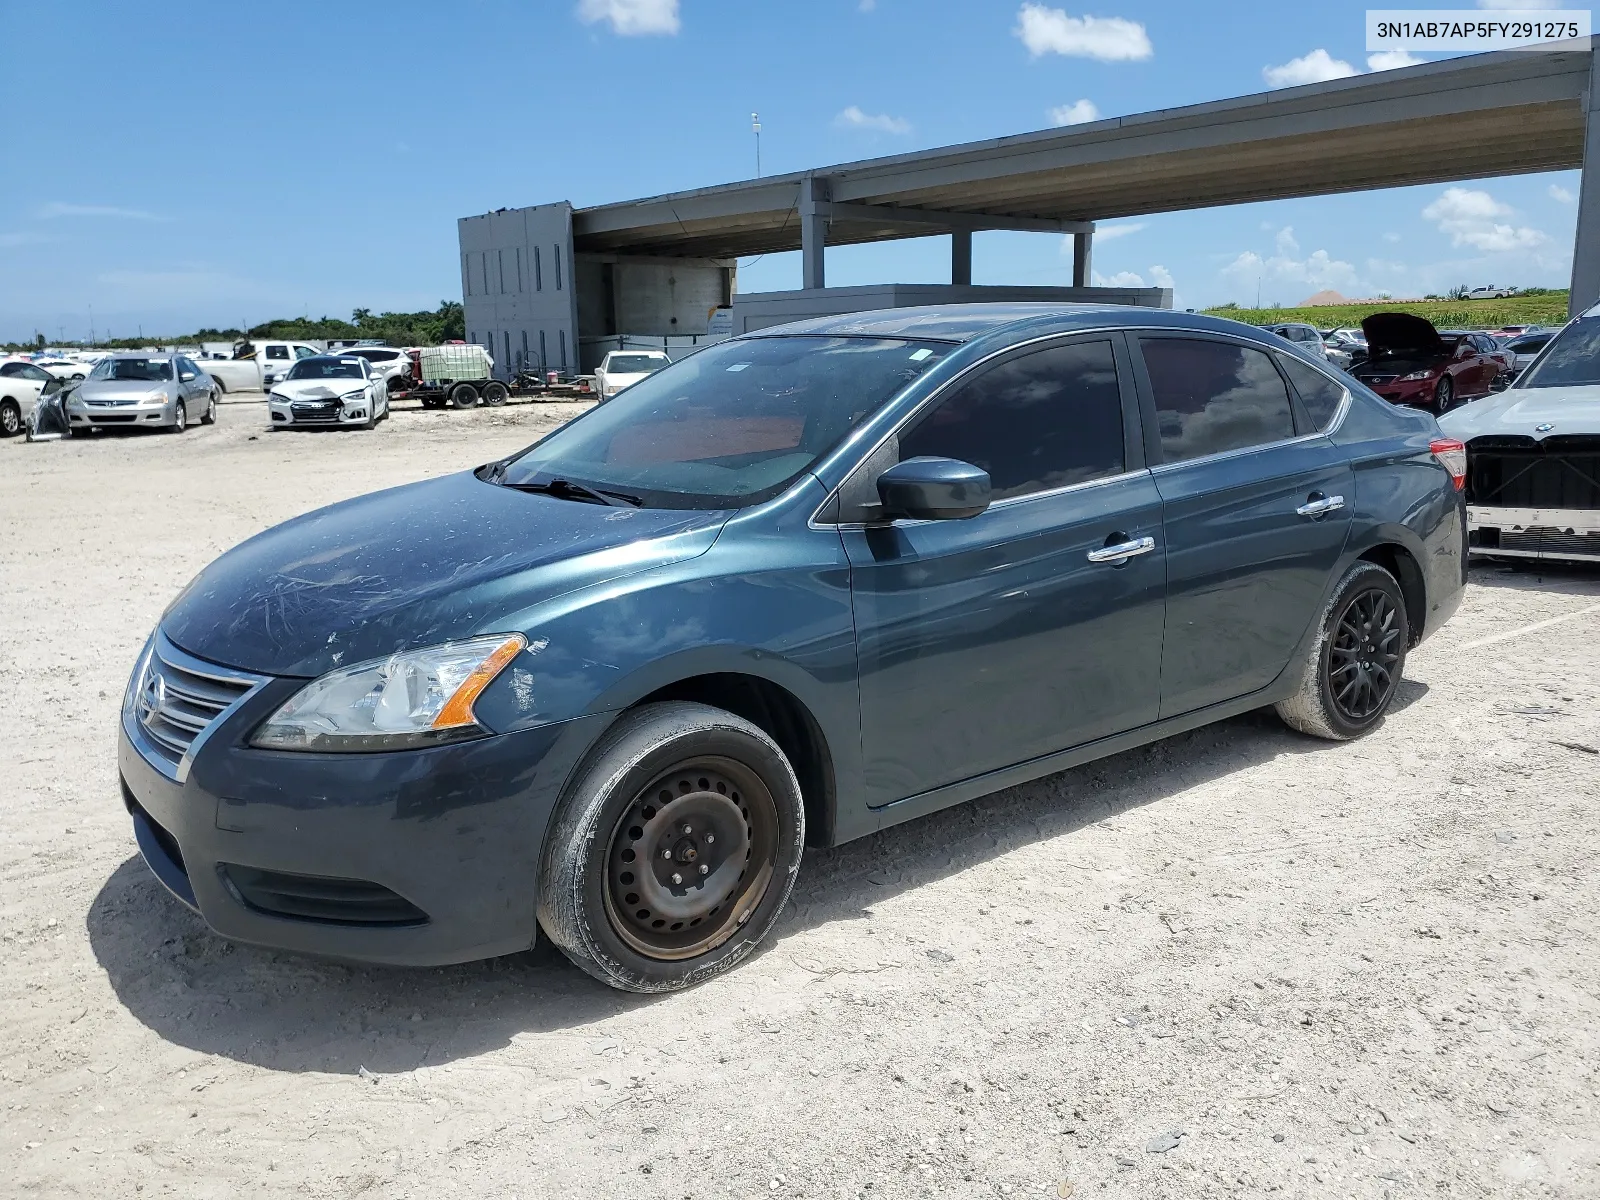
(221, 387)
(209, 417)
(495, 393)
(463, 395)
(632, 889)
(1349, 677)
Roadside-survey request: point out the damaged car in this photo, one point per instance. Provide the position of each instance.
(1533, 455)
(796, 588)
(328, 390)
(1410, 362)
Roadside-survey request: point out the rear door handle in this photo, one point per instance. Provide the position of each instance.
(1121, 552)
(1315, 508)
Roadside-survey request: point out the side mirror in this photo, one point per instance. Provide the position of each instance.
(186, 376)
(934, 489)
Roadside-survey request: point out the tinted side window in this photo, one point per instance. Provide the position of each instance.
(1319, 395)
(1045, 420)
(1214, 396)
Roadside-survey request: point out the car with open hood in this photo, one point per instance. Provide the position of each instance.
(1410, 362)
(1533, 454)
(795, 588)
(329, 390)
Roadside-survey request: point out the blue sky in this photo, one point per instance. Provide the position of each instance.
(181, 164)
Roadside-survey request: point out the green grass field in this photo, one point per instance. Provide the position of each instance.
(1548, 308)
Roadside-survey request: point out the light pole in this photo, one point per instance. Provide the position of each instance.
(755, 128)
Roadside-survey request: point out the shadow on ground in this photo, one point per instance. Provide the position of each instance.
(292, 1013)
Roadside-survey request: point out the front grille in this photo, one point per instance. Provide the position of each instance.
(1553, 543)
(178, 697)
(1519, 472)
(320, 898)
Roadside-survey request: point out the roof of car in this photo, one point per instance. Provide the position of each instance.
(147, 354)
(965, 322)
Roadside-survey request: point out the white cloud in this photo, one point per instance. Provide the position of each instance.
(1475, 218)
(867, 5)
(1318, 270)
(1317, 67)
(1108, 39)
(1161, 277)
(1122, 279)
(1560, 194)
(1286, 243)
(1106, 233)
(1392, 60)
(854, 118)
(58, 209)
(632, 18)
(1391, 237)
(1076, 113)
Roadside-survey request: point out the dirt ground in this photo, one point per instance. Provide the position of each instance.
(1237, 962)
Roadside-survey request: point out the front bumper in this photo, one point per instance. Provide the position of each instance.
(1417, 394)
(416, 858)
(83, 414)
(301, 415)
(1550, 533)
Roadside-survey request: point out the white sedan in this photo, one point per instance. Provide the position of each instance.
(329, 390)
(393, 365)
(624, 368)
(21, 383)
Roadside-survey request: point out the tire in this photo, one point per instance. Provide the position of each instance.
(10, 418)
(721, 773)
(180, 418)
(1324, 705)
(222, 388)
(1444, 394)
(463, 395)
(209, 417)
(495, 393)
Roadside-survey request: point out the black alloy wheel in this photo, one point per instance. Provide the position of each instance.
(1444, 394)
(690, 858)
(1363, 656)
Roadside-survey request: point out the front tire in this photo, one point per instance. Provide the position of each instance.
(1348, 680)
(1444, 394)
(674, 850)
(180, 418)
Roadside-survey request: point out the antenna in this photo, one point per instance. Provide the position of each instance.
(755, 128)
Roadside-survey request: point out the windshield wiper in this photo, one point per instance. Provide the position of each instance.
(565, 489)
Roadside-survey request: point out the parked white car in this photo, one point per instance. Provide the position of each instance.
(624, 368)
(65, 368)
(1490, 293)
(329, 390)
(257, 364)
(393, 365)
(21, 383)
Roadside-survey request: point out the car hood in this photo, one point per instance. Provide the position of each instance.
(1402, 333)
(318, 389)
(119, 389)
(1521, 411)
(429, 562)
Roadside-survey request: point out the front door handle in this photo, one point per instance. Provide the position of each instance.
(1121, 552)
(1320, 505)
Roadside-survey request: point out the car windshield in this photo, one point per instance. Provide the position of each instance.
(730, 426)
(325, 368)
(635, 364)
(144, 370)
(1571, 358)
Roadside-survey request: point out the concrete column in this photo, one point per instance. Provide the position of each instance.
(1082, 247)
(961, 256)
(1586, 245)
(814, 198)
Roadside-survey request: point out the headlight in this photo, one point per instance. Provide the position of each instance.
(157, 397)
(358, 394)
(418, 698)
(1416, 376)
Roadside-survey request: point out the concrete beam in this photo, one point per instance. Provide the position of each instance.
(961, 256)
(1586, 244)
(889, 214)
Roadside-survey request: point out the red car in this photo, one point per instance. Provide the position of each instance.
(1410, 362)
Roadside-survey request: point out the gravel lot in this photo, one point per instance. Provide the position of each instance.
(1239, 961)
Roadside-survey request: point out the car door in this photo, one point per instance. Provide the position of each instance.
(30, 382)
(1256, 510)
(1013, 634)
(194, 395)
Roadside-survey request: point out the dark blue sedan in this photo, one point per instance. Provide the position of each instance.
(796, 588)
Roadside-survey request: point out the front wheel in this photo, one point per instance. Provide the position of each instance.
(180, 418)
(1444, 394)
(1349, 678)
(10, 418)
(674, 850)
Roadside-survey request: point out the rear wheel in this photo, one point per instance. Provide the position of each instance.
(221, 387)
(463, 395)
(1349, 677)
(209, 417)
(674, 850)
(495, 393)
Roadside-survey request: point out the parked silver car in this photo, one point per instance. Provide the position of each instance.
(164, 391)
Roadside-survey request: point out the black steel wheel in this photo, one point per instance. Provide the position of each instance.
(1349, 675)
(495, 392)
(463, 395)
(674, 849)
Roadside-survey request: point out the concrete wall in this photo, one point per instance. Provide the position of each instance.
(760, 310)
(517, 286)
(636, 296)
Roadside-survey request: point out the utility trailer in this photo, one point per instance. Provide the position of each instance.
(461, 376)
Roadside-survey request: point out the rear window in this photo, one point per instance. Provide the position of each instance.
(1572, 357)
(635, 364)
(1212, 397)
(1319, 395)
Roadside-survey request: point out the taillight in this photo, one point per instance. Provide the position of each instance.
(1452, 456)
